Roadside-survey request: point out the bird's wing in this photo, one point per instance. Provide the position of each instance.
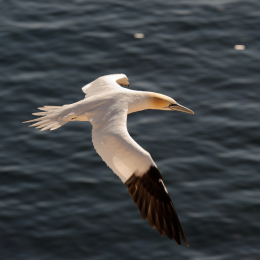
(103, 84)
(115, 146)
(137, 170)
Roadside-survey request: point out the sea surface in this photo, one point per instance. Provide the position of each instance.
(59, 200)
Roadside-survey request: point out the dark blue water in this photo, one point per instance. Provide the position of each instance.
(58, 199)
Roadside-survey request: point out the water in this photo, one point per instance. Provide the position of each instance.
(59, 200)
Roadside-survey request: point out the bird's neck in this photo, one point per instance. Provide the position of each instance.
(141, 100)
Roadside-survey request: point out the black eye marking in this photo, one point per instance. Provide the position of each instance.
(171, 106)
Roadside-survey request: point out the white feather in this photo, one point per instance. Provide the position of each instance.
(103, 84)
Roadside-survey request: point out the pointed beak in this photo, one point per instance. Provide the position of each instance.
(181, 108)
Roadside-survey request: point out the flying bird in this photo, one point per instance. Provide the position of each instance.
(106, 106)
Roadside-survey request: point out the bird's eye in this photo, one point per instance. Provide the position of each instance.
(172, 105)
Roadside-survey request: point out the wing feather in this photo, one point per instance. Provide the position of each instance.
(103, 84)
(157, 206)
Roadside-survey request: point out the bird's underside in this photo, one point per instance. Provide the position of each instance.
(106, 106)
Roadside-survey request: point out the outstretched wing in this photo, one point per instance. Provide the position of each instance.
(137, 170)
(105, 84)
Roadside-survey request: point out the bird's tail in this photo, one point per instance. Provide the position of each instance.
(52, 118)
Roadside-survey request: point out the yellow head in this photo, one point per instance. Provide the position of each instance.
(162, 102)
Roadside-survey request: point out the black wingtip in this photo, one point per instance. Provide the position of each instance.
(185, 241)
(156, 207)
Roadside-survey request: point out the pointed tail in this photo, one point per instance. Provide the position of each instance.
(52, 118)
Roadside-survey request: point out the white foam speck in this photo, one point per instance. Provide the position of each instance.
(139, 35)
(239, 47)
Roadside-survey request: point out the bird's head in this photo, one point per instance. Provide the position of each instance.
(162, 102)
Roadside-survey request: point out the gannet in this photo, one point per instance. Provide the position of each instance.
(106, 106)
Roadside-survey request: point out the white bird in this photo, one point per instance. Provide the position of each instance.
(106, 106)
